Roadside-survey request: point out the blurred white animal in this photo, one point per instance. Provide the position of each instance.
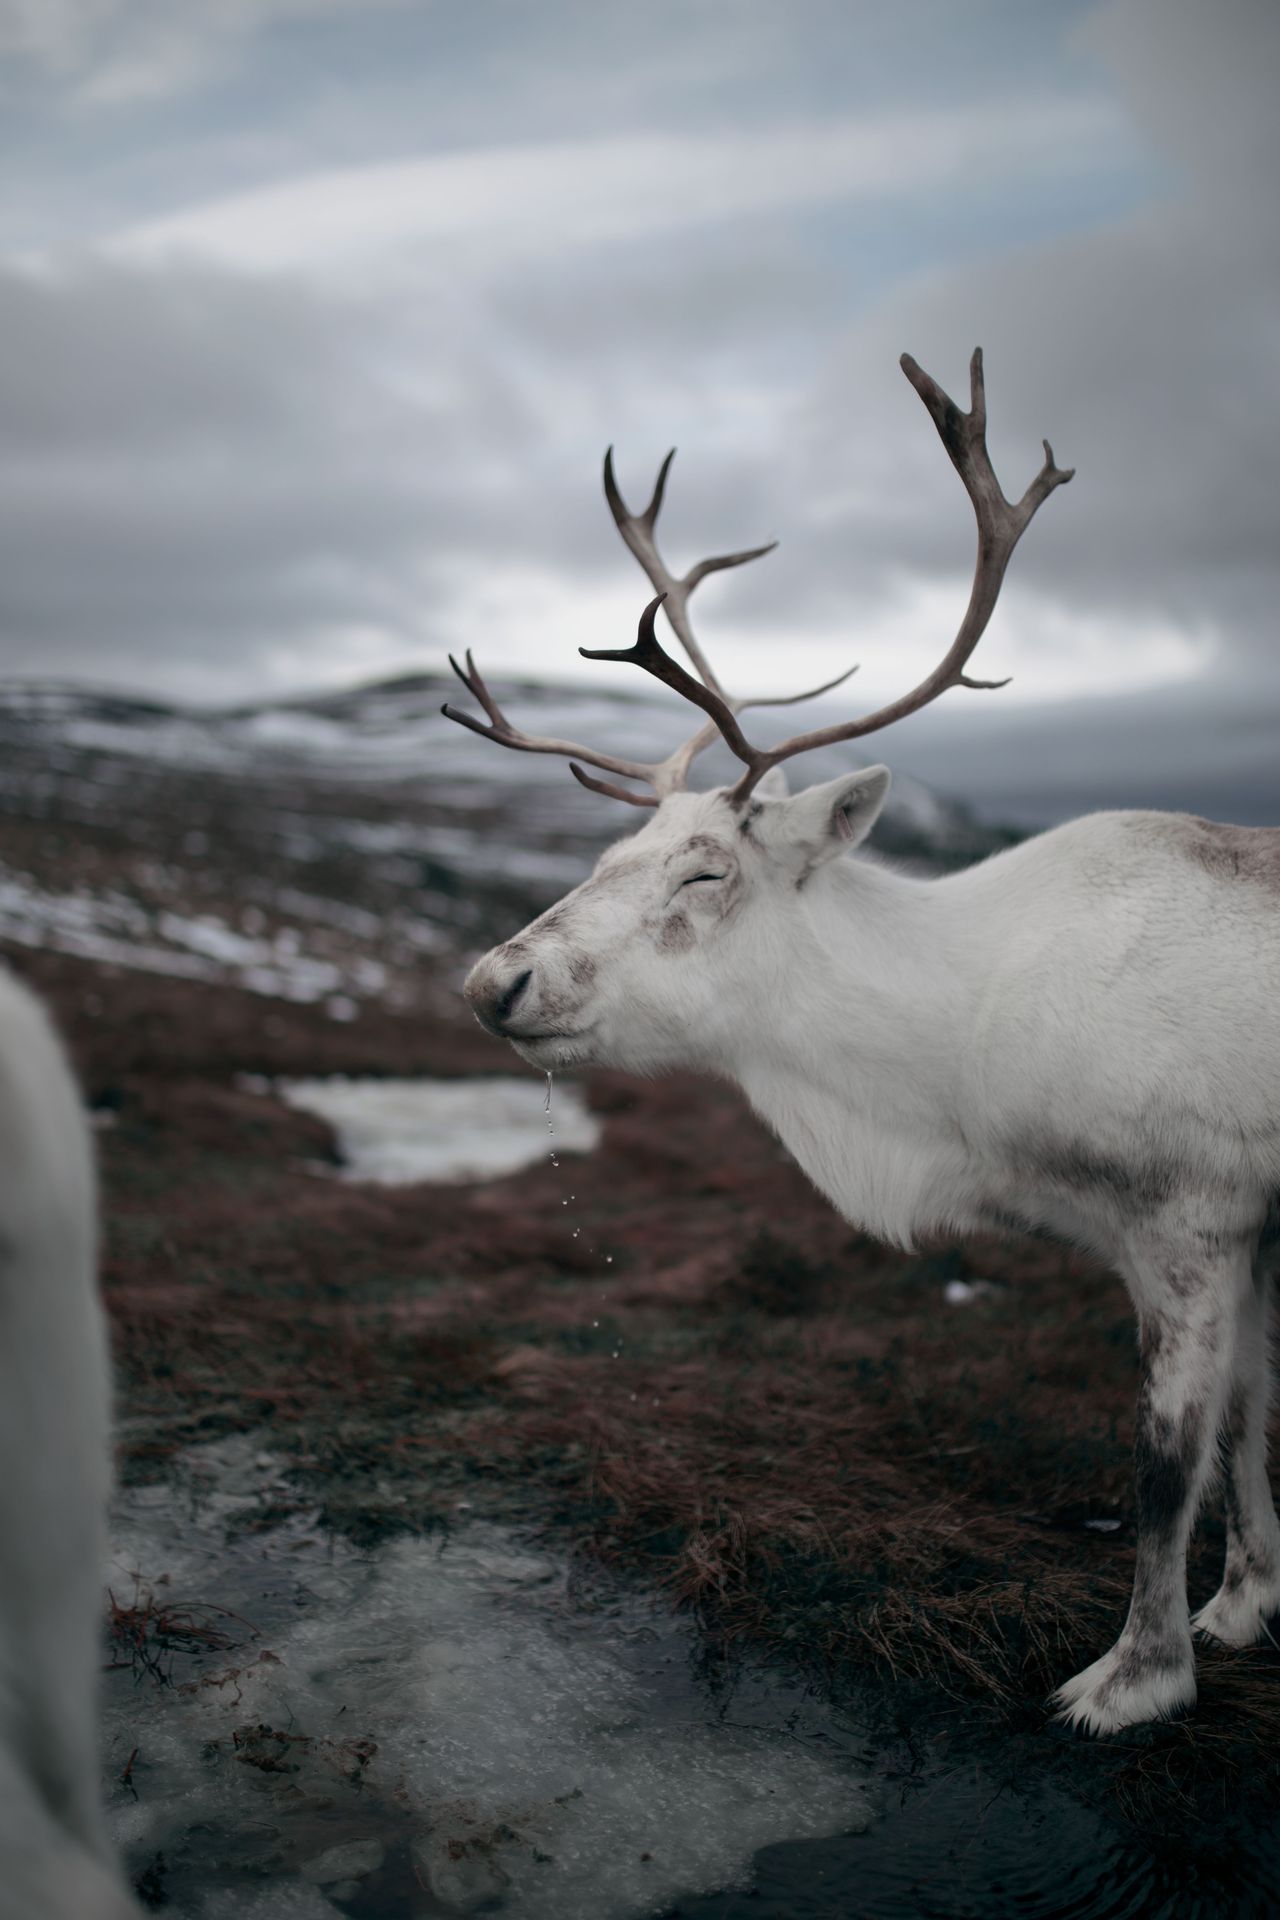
(55, 1859)
(1078, 1035)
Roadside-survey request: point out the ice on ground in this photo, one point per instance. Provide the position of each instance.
(394, 1132)
(279, 1903)
(450, 1717)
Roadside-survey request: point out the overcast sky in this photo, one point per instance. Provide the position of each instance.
(316, 317)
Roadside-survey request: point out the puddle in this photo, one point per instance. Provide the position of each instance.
(968, 1841)
(296, 1728)
(394, 1132)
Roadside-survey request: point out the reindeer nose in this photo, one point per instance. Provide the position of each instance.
(493, 996)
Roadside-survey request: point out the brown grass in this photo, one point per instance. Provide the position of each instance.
(146, 1632)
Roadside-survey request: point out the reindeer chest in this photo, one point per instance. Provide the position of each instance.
(894, 1174)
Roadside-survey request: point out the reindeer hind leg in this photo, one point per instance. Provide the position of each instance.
(1188, 1317)
(1243, 1610)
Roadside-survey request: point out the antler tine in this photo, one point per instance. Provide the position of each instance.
(684, 757)
(475, 685)
(500, 729)
(648, 652)
(664, 776)
(615, 793)
(794, 699)
(719, 561)
(1001, 524)
(637, 530)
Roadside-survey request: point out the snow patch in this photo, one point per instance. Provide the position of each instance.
(394, 1132)
(118, 931)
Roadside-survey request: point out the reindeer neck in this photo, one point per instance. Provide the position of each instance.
(853, 1048)
(873, 970)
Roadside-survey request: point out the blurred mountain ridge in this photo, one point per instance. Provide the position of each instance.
(336, 846)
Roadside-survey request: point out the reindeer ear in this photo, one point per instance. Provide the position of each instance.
(823, 821)
(774, 785)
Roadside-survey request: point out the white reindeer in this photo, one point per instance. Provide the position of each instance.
(1079, 1034)
(55, 1860)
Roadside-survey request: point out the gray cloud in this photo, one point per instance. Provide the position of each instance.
(216, 480)
(1146, 351)
(197, 471)
(120, 52)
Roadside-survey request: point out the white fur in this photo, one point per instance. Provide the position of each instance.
(1080, 1034)
(55, 1862)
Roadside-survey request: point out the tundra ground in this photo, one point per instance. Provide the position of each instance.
(693, 1368)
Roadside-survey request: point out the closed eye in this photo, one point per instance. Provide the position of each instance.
(695, 878)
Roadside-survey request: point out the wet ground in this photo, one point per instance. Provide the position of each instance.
(471, 1722)
(452, 1722)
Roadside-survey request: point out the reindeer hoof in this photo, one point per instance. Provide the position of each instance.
(1126, 1688)
(1241, 1616)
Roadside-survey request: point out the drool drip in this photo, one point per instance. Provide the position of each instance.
(608, 1257)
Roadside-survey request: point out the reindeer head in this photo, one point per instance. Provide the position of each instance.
(694, 918)
(680, 928)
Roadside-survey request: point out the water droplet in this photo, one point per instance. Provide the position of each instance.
(547, 1108)
(608, 1259)
(595, 1323)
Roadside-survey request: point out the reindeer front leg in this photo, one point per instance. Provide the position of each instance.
(1249, 1596)
(1187, 1313)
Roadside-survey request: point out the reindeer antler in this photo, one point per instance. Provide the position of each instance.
(672, 774)
(637, 529)
(1001, 524)
(501, 730)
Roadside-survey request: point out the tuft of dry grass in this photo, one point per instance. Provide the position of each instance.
(147, 1631)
